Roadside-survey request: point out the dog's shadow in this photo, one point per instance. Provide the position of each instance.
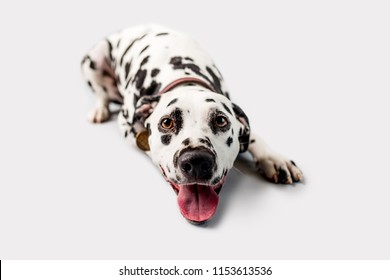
(243, 166)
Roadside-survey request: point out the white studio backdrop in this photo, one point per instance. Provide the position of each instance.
(313, 77)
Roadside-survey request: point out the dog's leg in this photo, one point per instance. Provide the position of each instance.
(125, 123)
(97, 70)
(273, 166)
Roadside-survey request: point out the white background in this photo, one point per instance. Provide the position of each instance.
(313, 77)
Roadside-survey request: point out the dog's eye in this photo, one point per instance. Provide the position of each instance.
(166, 123)
(221, 121)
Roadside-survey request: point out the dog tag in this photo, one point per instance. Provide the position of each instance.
(142, 140)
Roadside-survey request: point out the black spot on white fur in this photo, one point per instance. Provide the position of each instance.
(226, 108)
(177, 115)
(127, 69)
(166, 139)
(144, 49)
(154, 72)
(139, 78)
(144, 61)
(229, 141)
(186, 142)
(173, 101)
(92, 64)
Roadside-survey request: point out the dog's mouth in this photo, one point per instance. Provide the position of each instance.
(197, 201)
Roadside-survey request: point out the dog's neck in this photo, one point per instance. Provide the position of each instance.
(186, 80)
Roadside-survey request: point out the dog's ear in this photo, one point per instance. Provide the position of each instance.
(244, 133)
(144, 107)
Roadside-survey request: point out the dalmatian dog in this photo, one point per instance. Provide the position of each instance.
(175, 105)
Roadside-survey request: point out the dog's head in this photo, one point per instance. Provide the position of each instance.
(194, 137)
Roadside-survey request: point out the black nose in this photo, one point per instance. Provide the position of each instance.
(196, 164)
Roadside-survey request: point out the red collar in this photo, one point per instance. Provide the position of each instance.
(186, 80)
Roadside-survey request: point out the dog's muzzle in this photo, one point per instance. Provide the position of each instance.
(197, 197)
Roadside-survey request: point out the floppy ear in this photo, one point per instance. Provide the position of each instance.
(144, 107)
(244, 133)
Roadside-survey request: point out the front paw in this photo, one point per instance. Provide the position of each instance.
(279, 170)
(99, 115)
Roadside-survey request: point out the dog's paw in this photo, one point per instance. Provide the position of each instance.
(279, 170)
(99, 115)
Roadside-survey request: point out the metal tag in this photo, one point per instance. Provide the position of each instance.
(142, 140)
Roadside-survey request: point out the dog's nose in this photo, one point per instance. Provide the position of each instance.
(197, 164)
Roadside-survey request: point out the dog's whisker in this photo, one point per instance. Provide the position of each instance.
(238, 170)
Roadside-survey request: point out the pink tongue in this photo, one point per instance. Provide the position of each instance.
(197, 203)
